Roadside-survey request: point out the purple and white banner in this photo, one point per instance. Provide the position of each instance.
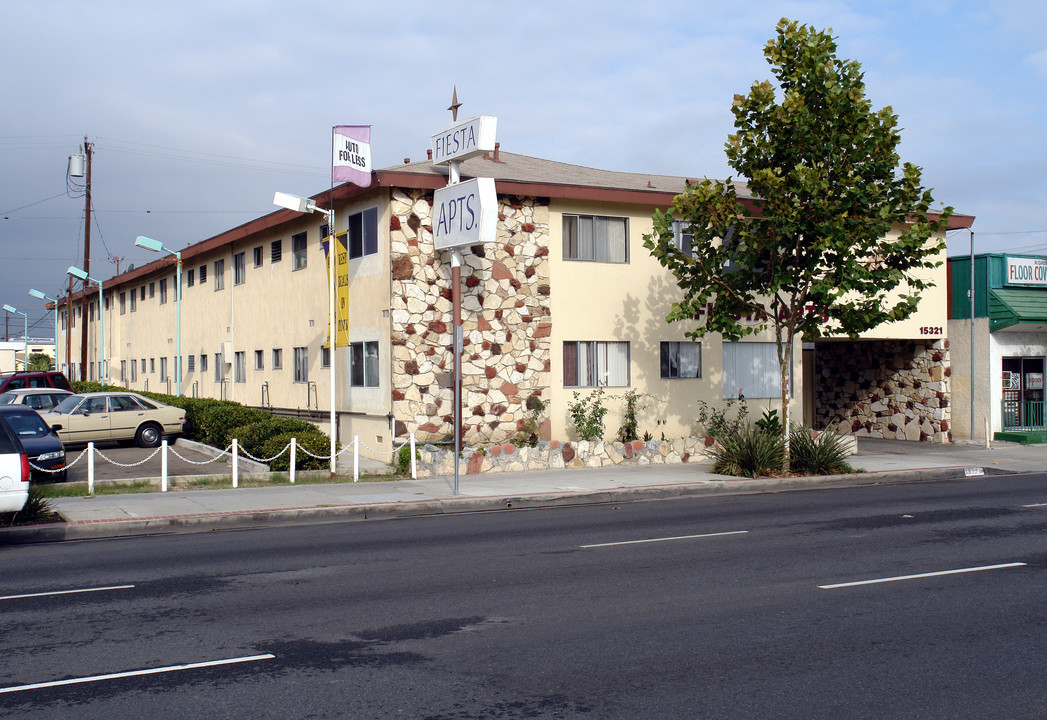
(351, 160)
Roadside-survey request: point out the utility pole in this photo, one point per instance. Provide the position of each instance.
(88, 147)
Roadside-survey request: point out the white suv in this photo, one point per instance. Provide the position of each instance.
(14, 470)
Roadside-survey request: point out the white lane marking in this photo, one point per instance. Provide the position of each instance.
(1036, 505)
(135, 673)
(923, 575)
(67, 592)
(666, 539)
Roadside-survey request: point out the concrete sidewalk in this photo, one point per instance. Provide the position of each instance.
(884, 461)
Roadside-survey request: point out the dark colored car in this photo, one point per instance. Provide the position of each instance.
(42, 446)
(33, 379)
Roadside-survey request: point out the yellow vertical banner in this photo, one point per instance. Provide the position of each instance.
(341, 303)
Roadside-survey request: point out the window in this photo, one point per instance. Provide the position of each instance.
(152, 290)
(143, 366)
(91, 312)
(123, 303)
(751, 369)
(203, 363)
(134, 371)
(276, 251)
(240, 366)
(682, 239)
(163, 291)
(134, 297)
(239, 269)
(258, 256)
(362, 233)
(141, 293)
(152, 365)
(681, 360)
(190, 363)
(298, 248)
(203, 274)
(259, 363)
(364, 370)
(189, 275)
(123, 371)
(163, 369)
(596, 238)
(596, 364)
(325, 357)
(301, 365)
(278, 359)
(219, 274)
(219, 372)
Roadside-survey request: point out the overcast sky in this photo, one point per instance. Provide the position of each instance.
(199, 111)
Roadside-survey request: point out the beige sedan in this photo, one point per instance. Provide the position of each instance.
(117, 416)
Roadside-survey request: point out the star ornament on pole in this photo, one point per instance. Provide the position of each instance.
(454, 105)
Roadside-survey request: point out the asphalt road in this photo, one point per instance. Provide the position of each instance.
(722, 607)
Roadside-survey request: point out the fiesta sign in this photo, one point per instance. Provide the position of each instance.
(465, 214)
(1026, 271)
(465, 140)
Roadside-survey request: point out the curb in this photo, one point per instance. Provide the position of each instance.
(723, 485)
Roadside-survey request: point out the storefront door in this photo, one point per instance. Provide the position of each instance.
(1023, 393)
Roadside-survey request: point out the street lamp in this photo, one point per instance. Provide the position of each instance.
(305, 205)
(39, 295)
(156, 246)
(25, 335)
(81, 275)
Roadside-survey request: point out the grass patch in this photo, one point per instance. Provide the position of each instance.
(209, 482)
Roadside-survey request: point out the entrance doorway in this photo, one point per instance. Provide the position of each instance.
(1023, 393)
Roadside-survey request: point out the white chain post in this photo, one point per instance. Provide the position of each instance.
(163, 466)
(414, 462)
(90, 468)
(235, 464)
(294, 456)
(356, 458)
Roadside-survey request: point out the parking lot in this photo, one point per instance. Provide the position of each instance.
(115, 462)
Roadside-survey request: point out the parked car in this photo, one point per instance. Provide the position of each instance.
(41, 399)
(122, 416)
(14, 470)
(41, 443)
(33, 379)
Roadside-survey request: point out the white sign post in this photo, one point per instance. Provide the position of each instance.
(464, 213)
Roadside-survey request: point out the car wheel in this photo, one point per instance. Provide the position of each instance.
(149, 435)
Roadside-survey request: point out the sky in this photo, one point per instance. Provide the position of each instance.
(199, 111)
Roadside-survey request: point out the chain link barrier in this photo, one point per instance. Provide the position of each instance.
(144, 460)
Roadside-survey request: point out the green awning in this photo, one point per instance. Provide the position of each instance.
(1017, 306)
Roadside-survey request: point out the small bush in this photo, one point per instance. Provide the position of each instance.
(253, 436)
(403, 459)
(37, 509)
(530, 427)
(715, 421)
(748, 452)
(314, 441)
(587, 415)
(769, 423)
(823, 455)
(630, 428)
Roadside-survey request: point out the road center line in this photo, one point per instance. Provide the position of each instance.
(135, 673)
(67, 592)
(666, 539)
(1036, 505)
(923, 575)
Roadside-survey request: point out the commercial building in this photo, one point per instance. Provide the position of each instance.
(566, 301)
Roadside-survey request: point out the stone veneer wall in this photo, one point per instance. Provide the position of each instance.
(896, 389)
(505, 315)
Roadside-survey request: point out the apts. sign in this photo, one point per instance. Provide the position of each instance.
(1025, 271)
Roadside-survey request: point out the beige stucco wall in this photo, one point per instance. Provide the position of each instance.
(629, 301)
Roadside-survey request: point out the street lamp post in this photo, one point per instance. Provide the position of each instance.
(40, 296)
(25, 336)
(157, 246)
(304, 205)
(81, 275)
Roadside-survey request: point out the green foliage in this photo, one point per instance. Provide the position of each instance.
(823, 455)
(634, 402)
(403, 459)
(748, 452)
(587, 413)
(717, 422)
(313, 440)
(39, 361)
(37, 508)
(769, 423)
(530, 433)
(254, 436)
(807, 250)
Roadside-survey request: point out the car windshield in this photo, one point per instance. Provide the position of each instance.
(27, 424)
(68, 404)
(7, 398)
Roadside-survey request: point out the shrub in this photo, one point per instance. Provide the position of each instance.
(403, 459)
(529, 433)
(748, 452)
(254, 436)
(314, 441)
(823, 455)
(587, 415)
(715, 422)
(37, 508)
(630, 428)
(769, 423)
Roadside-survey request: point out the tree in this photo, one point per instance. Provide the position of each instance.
(39, 361)
(808, 251)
